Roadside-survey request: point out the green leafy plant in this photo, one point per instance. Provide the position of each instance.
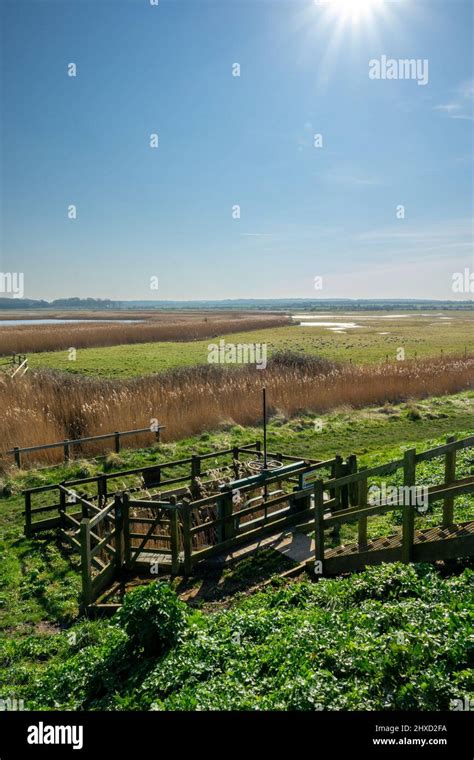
(153, 617)
(395, 637)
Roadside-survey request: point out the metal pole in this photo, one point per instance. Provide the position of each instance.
(264, 428)
(265, 487)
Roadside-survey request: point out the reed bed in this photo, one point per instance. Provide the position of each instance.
(35, 338)
(48, 406)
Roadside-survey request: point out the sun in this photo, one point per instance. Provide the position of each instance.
(350, 10)
(330, 26)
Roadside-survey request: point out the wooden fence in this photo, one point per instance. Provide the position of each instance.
(449, 543)
(125, 528)
(96, 490)
(68, 444)
(15, 365)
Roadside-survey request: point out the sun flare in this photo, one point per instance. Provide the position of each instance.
(351, 10)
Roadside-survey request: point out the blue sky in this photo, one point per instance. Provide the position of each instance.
(305, 212)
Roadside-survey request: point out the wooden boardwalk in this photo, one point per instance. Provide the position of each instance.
(429, 545)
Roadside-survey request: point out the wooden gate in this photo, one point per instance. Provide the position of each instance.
(101, 547)
(160, 541)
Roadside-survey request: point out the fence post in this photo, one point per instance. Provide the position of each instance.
(195, 465)
(102, 490)
(86, 568)
(187, 539)
(449, 477)
(62, 507)
(340, 493)
(84, 507)
(353, 490)
(362, 502)
(127, 547)
(344, 490)
(228, 509)
(17, 455)
(28, 531)
(174, 536)
(225, 529)
(337, 471)
(408, 526)
(302, 504)
(235, 461)
(220, 516)
(118, 511)
(117, 441)
(318, 527)
(279, 458)
(67, 455)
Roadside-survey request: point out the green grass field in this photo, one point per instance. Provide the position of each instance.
(379, 336)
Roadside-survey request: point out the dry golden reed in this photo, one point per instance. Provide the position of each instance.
(35, 338)
(47, 406)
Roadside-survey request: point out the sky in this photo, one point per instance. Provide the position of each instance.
(289, 164)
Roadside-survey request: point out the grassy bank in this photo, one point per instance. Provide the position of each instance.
(379, 336)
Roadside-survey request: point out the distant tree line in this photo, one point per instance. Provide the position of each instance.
(59, 303)
(270, 304)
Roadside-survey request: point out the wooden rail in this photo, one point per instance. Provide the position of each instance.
(99, 489)
(458, 541)
(67, 444)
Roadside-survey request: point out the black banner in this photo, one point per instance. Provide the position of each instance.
(128, 734)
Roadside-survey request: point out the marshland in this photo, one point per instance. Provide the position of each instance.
(79, 392)
(328, 392)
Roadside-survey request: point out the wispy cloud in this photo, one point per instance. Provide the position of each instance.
(449, 107)
(461, 106)
(446, 234)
